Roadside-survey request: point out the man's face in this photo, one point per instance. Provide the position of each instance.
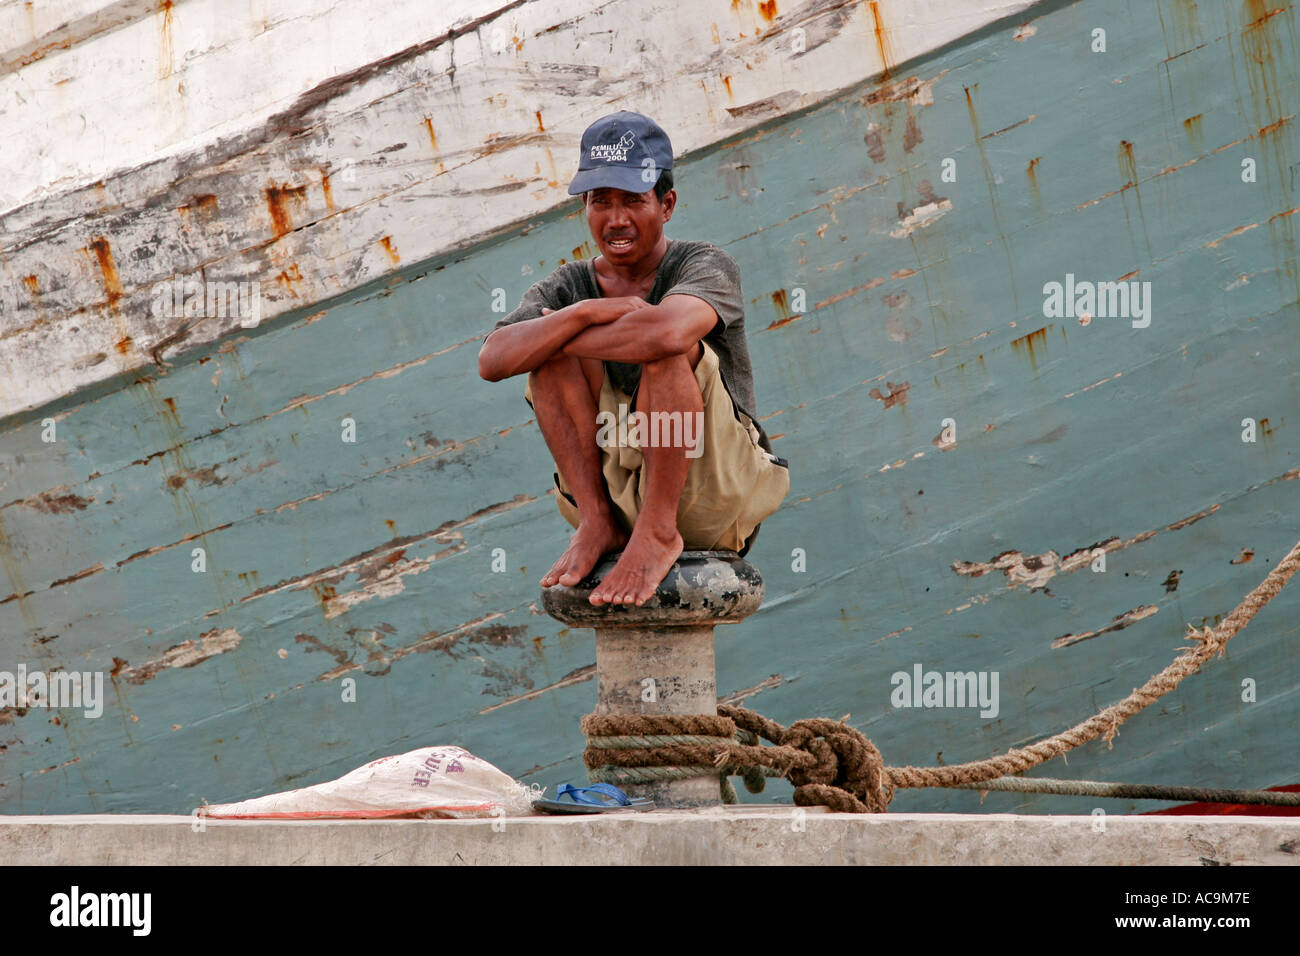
(627, 226)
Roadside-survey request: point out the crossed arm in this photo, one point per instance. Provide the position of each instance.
(622, 329)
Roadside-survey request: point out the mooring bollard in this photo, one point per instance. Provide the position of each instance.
(658, 658)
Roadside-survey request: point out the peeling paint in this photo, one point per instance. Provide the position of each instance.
(1006, 129)
(1121, 621)
(185, 654)
(56, 501)
(848, 293)
(577, 676)
(740, 696)
(919, 217)
(912, 90)
(386, 581)
(897, 394)
(1192, 519)
(375, 564)
(1231, 235)
(1036, 570)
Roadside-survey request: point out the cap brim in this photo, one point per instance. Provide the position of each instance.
(610, 177)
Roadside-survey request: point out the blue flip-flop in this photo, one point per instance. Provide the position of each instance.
(597, 798)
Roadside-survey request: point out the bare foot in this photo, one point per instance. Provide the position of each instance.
(593, 539)
(644, 563)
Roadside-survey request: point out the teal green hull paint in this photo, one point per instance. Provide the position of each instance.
(240, 453)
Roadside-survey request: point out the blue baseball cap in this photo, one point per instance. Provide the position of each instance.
(623, 150)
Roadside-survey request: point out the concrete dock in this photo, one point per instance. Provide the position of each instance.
(746, 835)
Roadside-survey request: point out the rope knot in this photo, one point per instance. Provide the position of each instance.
(848, 773)
(829, 763)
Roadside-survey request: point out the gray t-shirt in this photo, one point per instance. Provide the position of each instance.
(700, 269)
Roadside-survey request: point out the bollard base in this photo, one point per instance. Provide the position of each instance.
(679, 794)
(663, 670)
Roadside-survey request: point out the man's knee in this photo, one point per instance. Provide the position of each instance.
(561, 370)
(555, 371)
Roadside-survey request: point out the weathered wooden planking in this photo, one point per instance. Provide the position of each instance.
(169, 147)
(1101, 434)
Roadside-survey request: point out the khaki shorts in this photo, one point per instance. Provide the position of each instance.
(731, 487)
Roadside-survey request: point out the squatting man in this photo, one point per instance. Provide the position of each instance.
(640, 378)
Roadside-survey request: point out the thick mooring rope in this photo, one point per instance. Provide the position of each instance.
(834, 765)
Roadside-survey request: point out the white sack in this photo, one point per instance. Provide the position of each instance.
(432, 782)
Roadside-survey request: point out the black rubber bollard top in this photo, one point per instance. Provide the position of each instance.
(701, 587)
